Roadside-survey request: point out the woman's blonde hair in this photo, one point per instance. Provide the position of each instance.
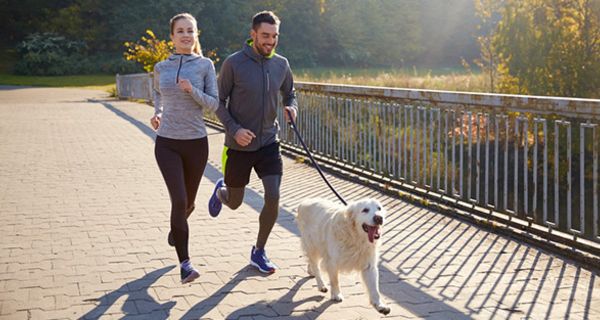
(196, 48)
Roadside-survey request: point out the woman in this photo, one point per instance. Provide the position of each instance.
(184, 85)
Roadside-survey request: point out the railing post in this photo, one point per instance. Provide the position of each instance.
(118, 85)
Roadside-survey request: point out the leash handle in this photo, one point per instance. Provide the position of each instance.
(293, 124)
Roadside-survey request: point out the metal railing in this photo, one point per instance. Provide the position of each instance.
(134, 86)
(529, 161)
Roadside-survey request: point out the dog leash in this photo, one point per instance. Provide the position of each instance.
(293, 124)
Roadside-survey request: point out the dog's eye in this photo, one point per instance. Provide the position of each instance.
(378, 208)
(365, 210)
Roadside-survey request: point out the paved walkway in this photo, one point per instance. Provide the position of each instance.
(84, 219)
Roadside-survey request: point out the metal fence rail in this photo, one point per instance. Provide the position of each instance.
(533, 160)
(134, 86)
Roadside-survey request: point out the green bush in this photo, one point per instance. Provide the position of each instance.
(50, 54)
(110, 63)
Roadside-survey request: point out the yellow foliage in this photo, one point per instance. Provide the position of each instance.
(543, 47)
(149, 52)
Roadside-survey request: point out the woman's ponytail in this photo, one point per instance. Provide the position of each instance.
(196, 48)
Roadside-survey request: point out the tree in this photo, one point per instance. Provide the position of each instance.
(304, 37)
(448, 32)
(548, 47)
(84, 20)
(19, 18)
(374, 32)
(487, 11)
(313, 32)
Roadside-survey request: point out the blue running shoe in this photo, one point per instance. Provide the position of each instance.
(258, 258)
(214, 204)
(188, 272)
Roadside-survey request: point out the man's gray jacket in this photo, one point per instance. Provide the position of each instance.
(248, 93)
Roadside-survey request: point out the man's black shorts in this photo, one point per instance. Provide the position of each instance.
(266, 161)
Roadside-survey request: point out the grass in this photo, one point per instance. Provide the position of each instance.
(8, 58)
(454, 81)
(440, 79)
(95, 81)
(370, 71)
(469, 82)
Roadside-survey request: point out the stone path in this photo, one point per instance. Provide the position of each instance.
(84, 216)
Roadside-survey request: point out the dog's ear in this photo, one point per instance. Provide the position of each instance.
(350, 213)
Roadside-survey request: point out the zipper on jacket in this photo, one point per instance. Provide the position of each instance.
(264, 100)
(178, 69)
(268, 80)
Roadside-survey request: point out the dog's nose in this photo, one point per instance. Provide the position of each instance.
(378, 219)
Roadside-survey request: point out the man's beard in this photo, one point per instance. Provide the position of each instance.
(262, 51)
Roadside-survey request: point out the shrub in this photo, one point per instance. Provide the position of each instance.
(110, 63)
(48, 54)
(150, 52)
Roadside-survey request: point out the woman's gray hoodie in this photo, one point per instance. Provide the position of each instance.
(181, 114)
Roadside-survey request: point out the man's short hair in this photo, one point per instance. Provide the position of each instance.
(264, 16)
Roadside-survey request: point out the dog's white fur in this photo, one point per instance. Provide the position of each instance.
(333, 235)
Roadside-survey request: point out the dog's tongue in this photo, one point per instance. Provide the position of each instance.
(373, 232)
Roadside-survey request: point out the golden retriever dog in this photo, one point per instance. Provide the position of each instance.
(341, 239)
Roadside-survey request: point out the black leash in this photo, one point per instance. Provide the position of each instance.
(293, 124)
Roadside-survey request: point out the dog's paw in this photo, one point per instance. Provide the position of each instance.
(337, 297)
(323, 289)
(382, 308)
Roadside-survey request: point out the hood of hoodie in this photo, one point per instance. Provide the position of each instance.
(184, 57)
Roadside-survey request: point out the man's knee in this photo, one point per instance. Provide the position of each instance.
(271, 184)
(271, 206)
(234, 197)
(234, 204)
(272, 199)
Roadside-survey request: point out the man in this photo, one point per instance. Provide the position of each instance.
(249, 82)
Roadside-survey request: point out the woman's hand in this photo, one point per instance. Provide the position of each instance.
(155, 122)
(185, 85)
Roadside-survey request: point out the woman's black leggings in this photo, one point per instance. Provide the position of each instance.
(182, 164)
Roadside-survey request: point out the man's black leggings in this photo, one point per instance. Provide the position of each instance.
(182, 164)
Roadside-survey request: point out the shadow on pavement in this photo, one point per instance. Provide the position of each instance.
(283, 306)
(138, 124)
(137, 293)
(13, 87)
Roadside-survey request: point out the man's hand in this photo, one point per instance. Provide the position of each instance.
(185, 85)
(243, 137)
(292, 110)
(155, 122)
